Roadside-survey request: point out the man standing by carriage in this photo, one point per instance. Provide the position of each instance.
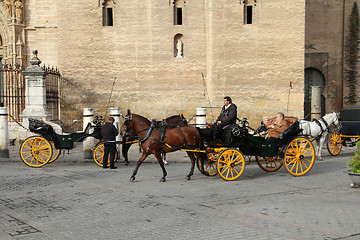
(109, 133)
(227, 116)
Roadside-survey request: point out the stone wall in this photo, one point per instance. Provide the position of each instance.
(252, 63)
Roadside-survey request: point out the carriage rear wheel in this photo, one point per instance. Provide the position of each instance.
(334, 143)
(35, 151)
(55, 154)
(98, 154)
(209, 163)
(230, 164)
(269, 164)
(299, 156)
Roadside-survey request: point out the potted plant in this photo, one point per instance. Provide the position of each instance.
(354, 163)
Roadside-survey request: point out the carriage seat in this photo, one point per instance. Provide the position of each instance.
(292, 127)
(39, 127)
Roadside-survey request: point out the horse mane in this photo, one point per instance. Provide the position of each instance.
(142, 118)
(174, 116)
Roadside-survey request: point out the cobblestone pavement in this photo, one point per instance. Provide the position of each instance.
(76, 199)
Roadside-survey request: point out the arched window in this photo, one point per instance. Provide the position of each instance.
(179, 46)
(178, 11)
(108, 12)
(249, 6)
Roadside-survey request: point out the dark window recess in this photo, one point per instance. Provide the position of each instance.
(108, 17)
(177, 16)
(249, 14)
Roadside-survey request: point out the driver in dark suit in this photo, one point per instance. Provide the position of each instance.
(227, 116)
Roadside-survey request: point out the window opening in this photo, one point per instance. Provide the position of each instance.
(177, 16)
(108, 12)
(249, 14)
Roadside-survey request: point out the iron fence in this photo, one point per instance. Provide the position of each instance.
(12, 90)
(53, 92)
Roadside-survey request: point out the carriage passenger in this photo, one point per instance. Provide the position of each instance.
(277, 127)
(227, 116)
(263, 129)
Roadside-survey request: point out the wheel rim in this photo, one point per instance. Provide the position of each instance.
(209, 163)
(299, 156)
(55, 154)
(230, 164)
(334, 143)
(98, 155)
(269, 164)
(35, 151)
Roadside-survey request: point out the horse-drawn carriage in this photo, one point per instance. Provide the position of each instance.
(36, 151)
(225, 156)
(348, 133)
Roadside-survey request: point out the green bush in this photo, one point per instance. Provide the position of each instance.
(355, 160)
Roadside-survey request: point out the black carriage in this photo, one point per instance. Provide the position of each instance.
(36, 151)
(226, 156)
(348, 133)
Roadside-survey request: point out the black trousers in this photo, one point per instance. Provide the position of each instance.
(217, 128)
(109, 148)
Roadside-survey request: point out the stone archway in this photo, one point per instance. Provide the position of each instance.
(314, 83)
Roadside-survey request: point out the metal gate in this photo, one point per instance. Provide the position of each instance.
(53, 92)
(12, 91)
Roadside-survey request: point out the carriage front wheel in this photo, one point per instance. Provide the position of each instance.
(269, 164)
(56, 152)
(98, 154)
(36, 151)
(230, 164)
(299, 156)
(334, 143)
(209, 159)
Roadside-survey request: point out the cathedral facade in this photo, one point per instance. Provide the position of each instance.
(164, 57)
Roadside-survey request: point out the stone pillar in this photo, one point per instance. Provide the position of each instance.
(315, 102)
(35, 85)
(4, 134)
(115, 113)
(88, 143)
(201, 117)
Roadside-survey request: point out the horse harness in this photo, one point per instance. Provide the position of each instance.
(163, 126)
(321, 127)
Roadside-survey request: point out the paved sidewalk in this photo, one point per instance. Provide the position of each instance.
(75, 199)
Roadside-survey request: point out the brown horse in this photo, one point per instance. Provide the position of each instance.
(130, 138)
(154, 142)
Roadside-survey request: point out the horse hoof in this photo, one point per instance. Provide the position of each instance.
(126, 163)
(132, 179)
(163, 180)
(188, 178)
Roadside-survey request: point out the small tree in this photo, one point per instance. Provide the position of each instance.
(351, 56)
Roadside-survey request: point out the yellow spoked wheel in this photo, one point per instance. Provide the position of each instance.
(269, 164)
(55, 154)
(35, 151)
(98, 154)
(299, 156)
(230, 164)
(334, 143)
(209, 163)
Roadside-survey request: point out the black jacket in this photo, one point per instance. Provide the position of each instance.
(229, 115)
(109, 132)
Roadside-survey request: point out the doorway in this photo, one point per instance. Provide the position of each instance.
(313, 77)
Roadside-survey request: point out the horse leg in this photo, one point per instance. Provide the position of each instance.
(142, 158)
(125, 149)
(321, 144)
(162, 165)
(164, 158)
(192, 158)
